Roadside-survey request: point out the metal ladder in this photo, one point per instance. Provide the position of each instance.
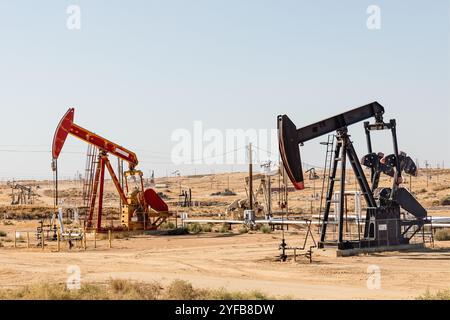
(91, 164)
(326, 173)
(344, 151)
(336, 157)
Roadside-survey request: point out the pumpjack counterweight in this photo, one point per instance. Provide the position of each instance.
(393, 215)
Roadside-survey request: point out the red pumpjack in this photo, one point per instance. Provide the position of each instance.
(141, 209)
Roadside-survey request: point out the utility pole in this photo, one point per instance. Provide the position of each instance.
(428, 172)
(250, 171)
(438, 171)
(266, 167)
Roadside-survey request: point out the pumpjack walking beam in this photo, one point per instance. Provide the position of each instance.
(290, 137)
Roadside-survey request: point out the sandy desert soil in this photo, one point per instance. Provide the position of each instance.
(236, 261)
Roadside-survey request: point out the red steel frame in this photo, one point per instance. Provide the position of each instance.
(66, 127)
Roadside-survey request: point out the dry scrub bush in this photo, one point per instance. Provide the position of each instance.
(126, 290)
(207, 228)
(194, 228)
(265, 229)
(223, 294)
(243, 230)
(167, 226)
(442, 235)
(225, 228)
(441, 295)
(113, 290)
(445, 201)
(181, 290)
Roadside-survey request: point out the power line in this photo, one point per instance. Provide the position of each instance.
(304, 163)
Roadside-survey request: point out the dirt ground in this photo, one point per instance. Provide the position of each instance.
(237, 262)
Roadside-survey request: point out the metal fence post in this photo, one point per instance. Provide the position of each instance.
(58, 243)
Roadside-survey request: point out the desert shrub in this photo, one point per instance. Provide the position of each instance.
(8, 223)
(207, 228)
(116, 289)
(442, 235)
(3, 234)
(440, 295)
(128, 290)
(445, 201)
(243, 230)
(194, 228)
(225, 228)
(181, 290)
(167, 226)
(41, 292)
(266, 229)
(435, 203)
(423, 190)
(223, 294)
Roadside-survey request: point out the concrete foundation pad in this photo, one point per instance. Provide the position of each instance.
(355, 252)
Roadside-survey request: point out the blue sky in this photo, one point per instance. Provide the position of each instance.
(138, 70)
